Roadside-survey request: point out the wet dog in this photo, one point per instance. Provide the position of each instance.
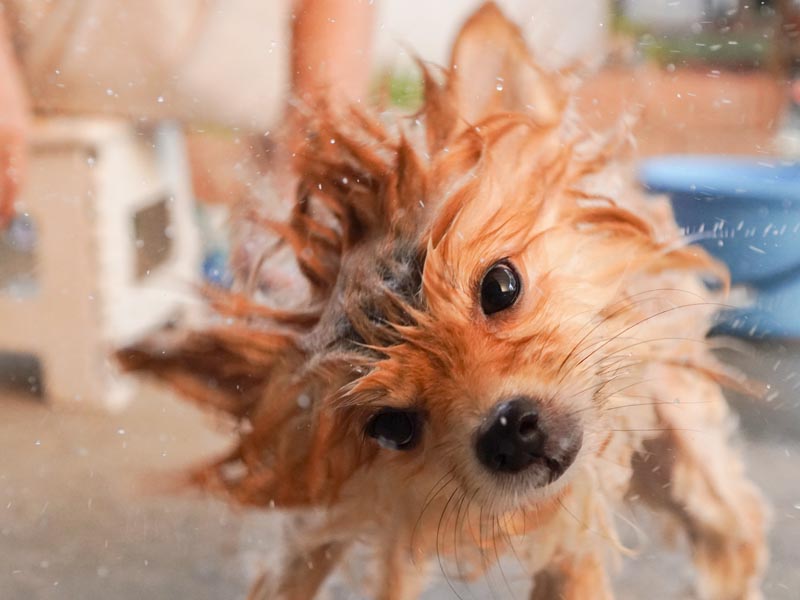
(491, 343)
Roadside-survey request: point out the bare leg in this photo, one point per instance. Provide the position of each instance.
(331, 49)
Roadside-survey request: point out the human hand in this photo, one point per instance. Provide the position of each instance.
(13, 165)
(15, 114)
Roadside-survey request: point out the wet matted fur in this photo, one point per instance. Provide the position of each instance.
(396, 221)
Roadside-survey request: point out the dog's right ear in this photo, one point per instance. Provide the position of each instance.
(493, 71)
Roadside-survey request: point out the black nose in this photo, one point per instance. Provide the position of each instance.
(511, 439)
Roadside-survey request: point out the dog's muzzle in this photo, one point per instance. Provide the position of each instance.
(518, 437)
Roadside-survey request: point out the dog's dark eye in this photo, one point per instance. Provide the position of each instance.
(396, 429)
(499, 288)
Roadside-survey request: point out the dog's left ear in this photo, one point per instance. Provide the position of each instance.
(493, 71)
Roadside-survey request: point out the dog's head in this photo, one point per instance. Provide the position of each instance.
(470, 298)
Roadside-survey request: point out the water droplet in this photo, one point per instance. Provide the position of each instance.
(304, 401)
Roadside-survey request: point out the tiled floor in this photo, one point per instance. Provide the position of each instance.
(83, 515)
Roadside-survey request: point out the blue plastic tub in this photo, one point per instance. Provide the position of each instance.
(746, 212)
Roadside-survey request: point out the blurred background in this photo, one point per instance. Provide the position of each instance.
(130, 129)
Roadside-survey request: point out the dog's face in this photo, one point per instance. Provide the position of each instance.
(485, 375)
(499, 320)
(469, 300)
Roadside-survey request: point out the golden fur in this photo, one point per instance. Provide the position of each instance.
(395, 222)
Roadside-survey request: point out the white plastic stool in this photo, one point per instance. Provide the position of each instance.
(116, 251)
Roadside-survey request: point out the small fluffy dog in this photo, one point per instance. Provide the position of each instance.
(495, 346)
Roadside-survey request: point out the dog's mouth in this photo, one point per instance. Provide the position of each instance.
(518, 445)
(534, 471)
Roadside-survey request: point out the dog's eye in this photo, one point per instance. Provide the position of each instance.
(396, 429)
(499, 288)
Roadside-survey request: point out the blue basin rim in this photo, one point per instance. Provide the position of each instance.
(744, 179)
